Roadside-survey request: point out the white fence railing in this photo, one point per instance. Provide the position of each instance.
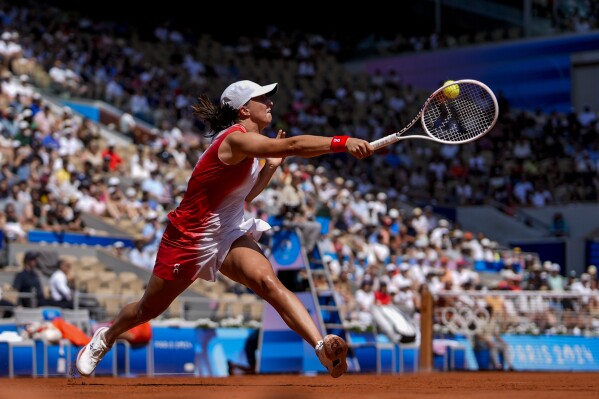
(518, 312)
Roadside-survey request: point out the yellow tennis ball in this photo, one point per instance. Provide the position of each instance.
(451, 91)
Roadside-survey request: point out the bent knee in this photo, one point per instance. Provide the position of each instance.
(267, 286)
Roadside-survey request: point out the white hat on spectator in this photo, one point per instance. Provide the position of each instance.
(356, 228)
(119, 244)
(239, 93)
(548, 265)
(24, 78)
(6, 36)
(23, 125)
(114, 181)
(393, 213)
(391, 267)
(381, 196)
(444, 223)
(585, 277)
(556, 267)
(151, 215)
(27, 113)
(404, 266)
(509, 274)
(130, 192)
(592, 269)
(416, 211)
(402, 284)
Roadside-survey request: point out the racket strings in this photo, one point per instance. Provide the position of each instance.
(463, 118)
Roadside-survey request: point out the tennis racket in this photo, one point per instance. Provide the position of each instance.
(456, 113)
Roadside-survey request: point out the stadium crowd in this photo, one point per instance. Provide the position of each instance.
(55, 165)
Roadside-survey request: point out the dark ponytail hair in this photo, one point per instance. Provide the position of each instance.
(218, 118)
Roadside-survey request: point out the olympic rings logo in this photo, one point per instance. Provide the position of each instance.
(464, 320)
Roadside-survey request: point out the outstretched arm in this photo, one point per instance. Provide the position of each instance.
(242, 145)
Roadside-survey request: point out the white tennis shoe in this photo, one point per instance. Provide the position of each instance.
(90, 355)
(332, 353)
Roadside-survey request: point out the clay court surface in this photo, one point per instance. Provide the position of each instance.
(351, 386)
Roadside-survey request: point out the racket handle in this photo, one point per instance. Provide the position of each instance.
(385, 141)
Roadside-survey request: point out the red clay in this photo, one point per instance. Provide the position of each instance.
(350, 386)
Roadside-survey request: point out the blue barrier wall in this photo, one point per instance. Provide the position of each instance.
(197, 351)
(76, 239)
(554, 353)
(592, 252)
(532, 74)
(87, 111)
(555, 251)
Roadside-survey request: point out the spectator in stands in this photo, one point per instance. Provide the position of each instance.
(592, 271)
(344, 293)
(365, 298)
(490, 338)
(206, 232)
(92, 154)
(511, 281)
(118, 250)
(152, 232)
(296, 212)
(28, 282)
(6, 307)
(559, 227)
(12, 226)
(405, 298)
(60, 283)
(111, 159)
(382, 296)
(555, 281)
(139, 256)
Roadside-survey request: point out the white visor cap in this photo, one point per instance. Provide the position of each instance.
(239, 93)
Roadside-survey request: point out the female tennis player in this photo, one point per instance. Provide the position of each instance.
(207, 232)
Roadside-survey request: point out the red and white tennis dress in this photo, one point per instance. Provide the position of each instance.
(210, 217)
